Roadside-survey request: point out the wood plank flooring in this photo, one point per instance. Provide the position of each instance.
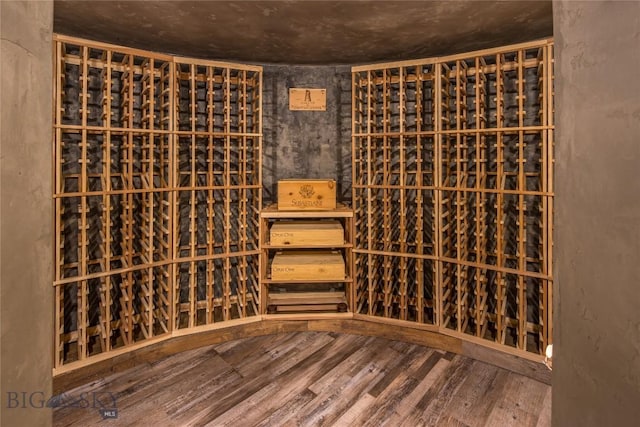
(310, 379)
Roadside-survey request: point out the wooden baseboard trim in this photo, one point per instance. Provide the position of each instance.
(149, 354)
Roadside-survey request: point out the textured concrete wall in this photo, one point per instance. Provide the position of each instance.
(26, 232)
(596, 377)
(305, 31)
(306, 144)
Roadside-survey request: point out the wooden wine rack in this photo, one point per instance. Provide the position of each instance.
(158, 187)
(453, 193)
(157, 195)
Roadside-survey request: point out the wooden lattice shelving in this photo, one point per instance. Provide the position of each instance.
(157, 195)
(158, 198)
(453, 193)
(218, 192)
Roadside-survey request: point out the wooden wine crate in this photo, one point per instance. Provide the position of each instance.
(306, 194)
(291, 302)
(310, 233)
(311, 265)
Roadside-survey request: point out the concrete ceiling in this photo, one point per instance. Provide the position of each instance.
(306, 32)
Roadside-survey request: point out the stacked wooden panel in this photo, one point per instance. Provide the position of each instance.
(119, 193)
(453, 193)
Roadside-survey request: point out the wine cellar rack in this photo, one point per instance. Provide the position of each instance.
(453, 193)
(157, 195)
(158, 199)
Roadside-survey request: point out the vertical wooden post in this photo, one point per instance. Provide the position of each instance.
(459, 199)
(500, 179)
(420, 284)
(83, 290)
(550, 188)
(210, 277)
(370, 223)
(243, 218)
(130, 185)
(107, 98)
(227, 192)
(522, 292)
(58, 190)
(174, 297)
(258, 156)
(356, 128)
(437, 163)
(193, 227)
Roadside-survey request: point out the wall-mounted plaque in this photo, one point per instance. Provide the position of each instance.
(301, 99)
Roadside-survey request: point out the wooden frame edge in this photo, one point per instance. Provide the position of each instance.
(93, 44)
(454, 57)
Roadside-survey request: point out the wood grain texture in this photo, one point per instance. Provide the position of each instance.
(314, 378)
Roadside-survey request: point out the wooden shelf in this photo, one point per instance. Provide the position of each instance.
(305, 302)
(288, 302)
(272, 211)
(308, 315)
(284, 282)
(274, 247)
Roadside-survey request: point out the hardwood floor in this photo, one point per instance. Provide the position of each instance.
(310, 378)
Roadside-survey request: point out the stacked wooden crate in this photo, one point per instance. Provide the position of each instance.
(308, 265)
(306, 238)
(306, 194)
